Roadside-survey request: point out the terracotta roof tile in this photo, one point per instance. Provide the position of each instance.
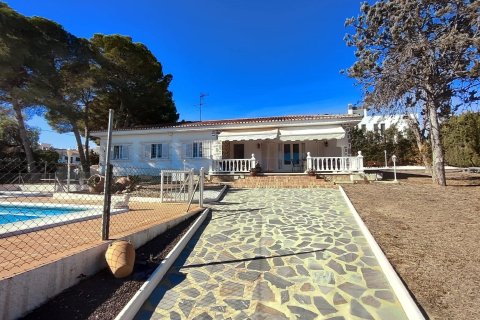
(208, 123)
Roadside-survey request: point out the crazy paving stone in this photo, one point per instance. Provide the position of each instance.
(259, 265)
(338, 299)
(352, 289)
(262, 292)
(303, 299)
(186, 307)
(385, 295)
(337, 267)
(230, 288)
(237, 304)
(277, 281)
(302, 313)
(323, 306)
(208, 300)
(263, 312)
(191, 292)
(374, 279)
(358, 310)
(371, 301)
(285, 296)
(306, 287)
(203, 316)
(249, 275)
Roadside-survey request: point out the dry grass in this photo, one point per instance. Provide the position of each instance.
(431, 236)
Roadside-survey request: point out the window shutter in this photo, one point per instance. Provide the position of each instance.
(146, 151)
(165, 150)
(188, 150)
(206, 149)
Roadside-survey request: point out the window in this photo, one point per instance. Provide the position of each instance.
(382, 128)
(375, 127)
(156, 151)
(120, 152)
(364, 127)
(198, 149)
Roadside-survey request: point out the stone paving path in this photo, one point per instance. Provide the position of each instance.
(276, 254)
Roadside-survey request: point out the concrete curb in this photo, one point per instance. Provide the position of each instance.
(408, 304)
(134, 305)
(220, 195)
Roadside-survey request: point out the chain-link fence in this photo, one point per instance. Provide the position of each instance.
(50, 210)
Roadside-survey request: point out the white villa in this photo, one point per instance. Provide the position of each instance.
(277, 144)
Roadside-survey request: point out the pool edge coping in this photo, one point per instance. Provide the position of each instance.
(406, 301)
(134, 305)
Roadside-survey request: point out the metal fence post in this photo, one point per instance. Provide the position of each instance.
(108, 178)
(190, 183)
(107, 200)
(200, 196)
(161, 185)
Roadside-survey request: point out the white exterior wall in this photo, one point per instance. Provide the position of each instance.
(176, 145)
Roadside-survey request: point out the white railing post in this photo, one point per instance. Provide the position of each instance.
(309, 162)
(252, 161)
(360, 161)
(200, 196)
(210, 168)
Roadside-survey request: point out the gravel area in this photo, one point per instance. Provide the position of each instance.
(102, 296)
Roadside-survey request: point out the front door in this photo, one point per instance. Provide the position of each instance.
(291, 156)
(238, 151)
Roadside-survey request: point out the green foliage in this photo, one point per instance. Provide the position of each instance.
(461, 138)
(10, 141)
(94, 158)
(133, 85)
(48, 156)
(373, 146)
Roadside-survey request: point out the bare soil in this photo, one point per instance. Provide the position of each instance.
(102, 296)
(431, 236)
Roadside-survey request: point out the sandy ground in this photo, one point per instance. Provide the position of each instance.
(431, 236)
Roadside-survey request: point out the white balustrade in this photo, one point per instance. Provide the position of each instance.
(335, 164)
(232, 165)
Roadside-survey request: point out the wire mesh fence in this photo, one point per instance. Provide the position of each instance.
(50, 210)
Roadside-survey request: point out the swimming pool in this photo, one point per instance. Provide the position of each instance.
(20, 217)
(14, 213)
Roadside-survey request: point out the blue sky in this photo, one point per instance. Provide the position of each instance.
(253, 58)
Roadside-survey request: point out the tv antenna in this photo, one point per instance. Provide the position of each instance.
(202, 95)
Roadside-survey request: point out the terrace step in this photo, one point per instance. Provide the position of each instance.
(282, 182)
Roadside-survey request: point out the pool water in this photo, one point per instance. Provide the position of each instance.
(16, 213)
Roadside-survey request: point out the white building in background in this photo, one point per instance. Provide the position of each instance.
(380, 123)
(278, 144)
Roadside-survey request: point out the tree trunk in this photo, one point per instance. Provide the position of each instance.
(438, 162)
(81, 151)
(22, 130)
(421, 144)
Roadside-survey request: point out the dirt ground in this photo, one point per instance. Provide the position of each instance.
(431, 236)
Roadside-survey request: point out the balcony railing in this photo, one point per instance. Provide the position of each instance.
(233, 165)
(335, 164)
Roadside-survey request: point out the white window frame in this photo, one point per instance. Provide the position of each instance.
(122, 154)
(164, 151)
(198, 149)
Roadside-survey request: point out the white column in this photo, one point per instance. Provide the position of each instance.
(252, 161)
(200, 196)
(360, 161)
(309, 162)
